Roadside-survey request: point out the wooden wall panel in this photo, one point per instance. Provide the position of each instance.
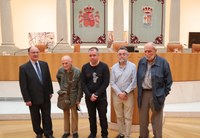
(184, 66)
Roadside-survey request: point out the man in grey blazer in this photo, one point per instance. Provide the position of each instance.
(36, 88)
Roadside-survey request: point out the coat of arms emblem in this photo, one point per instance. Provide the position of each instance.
(89, 17)
(147, 15)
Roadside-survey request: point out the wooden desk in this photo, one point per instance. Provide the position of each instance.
(184, 67)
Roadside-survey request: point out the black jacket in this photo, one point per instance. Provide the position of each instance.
(31, 87)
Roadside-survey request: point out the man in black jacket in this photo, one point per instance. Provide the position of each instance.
(36, 88)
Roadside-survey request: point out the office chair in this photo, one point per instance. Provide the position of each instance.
(195, 48)
(117, 45)
(176, 48)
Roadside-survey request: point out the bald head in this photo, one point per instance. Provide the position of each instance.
(32, 47)
(66, 62)
(68, 58)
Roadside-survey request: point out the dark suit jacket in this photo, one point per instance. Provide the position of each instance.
(31, 87)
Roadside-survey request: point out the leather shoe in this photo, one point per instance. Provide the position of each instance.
(66, 135)
(75, 135)
(91, 136)
(120, 136)
(39, 136)
(50, 136)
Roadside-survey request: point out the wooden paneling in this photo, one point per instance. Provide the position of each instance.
(184, 66)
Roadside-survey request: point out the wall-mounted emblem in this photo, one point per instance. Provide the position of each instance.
(88, 17)
(147, 15)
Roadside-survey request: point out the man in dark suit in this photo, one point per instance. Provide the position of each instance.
(36, 88)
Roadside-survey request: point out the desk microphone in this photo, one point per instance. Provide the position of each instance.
(56, 45)
(20, 51)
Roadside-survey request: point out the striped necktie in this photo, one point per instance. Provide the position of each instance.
(39, 73)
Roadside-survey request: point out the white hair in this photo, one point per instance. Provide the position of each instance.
(150, 44)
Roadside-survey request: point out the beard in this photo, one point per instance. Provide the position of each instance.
(122, 60)
(150, 58)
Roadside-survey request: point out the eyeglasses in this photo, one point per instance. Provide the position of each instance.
(148, 51)
(122, 54)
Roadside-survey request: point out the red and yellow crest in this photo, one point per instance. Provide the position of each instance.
(89, 17)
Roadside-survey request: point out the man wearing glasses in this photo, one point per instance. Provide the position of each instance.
(123, 82)
(36, 88)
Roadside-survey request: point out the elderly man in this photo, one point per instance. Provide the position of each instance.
(154, 82)
(68, 78)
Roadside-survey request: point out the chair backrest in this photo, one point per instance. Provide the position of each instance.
(117, 45)
(130, 48)
(195, 48)
(176, 48)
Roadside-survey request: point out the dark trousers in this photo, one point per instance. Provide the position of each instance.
(41, 113)
(101, 106)
(156, 117)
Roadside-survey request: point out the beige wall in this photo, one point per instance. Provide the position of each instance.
(40, 15)
(32, 16)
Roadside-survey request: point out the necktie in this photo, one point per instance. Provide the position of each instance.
(39, 73)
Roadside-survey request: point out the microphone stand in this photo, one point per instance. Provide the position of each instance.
(56, 45)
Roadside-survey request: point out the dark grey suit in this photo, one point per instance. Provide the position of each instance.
(39, 94)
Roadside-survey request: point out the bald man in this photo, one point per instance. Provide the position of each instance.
(154, 82)
(68, 78)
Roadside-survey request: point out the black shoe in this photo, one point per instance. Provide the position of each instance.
(91, 136)
(49, 136)
(39, 136)
(120, 136)
(66, 135)
(75, 135)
